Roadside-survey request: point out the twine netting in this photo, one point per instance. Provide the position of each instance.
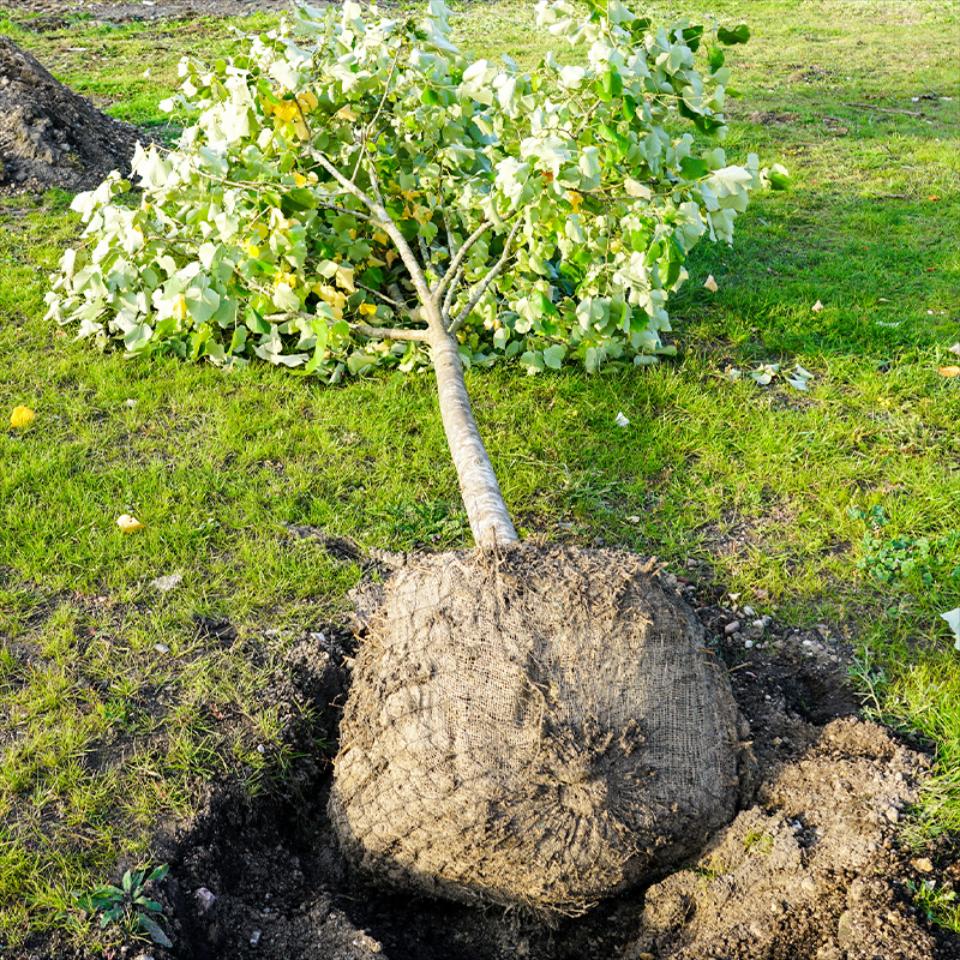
(542, 728)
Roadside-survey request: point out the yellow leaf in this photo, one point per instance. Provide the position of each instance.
(391, 255)
(346, 113)
(308, 101)
(180, 307)
(949, 371)
(299, 179)
(330, 295)
(129, 524)
(253, 250)
(381, 237)
(286, 111)
(345, 279)
(711, 284)
(21, 418)
(368, 310)
(260, 230)
(575, 200)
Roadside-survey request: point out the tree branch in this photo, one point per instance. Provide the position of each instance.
(481, 288)
(458, 258)
(383, 219)
(388, 333)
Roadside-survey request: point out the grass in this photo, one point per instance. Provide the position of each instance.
(108, 737)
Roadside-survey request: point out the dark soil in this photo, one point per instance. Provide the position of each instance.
(51, 136)
(55, 14)
(810, 868)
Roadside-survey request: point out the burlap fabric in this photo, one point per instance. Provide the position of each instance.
(543, 728)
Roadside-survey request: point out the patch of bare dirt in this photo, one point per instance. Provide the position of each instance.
(42, 15)
(51, 136)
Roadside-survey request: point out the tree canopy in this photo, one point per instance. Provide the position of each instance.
(549, 212)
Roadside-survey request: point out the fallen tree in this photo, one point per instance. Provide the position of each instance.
(541, 726)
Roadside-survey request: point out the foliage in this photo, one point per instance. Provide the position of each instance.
(553, 210)
(890, 560)
(129, 904)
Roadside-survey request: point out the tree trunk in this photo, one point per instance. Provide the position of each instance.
(489, 518)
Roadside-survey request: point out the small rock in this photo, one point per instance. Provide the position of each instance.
(923, 864)
(255, 937)
(732, 628)
(130, 404)
(748, 611)
(748, 644)
(892, 814)
(205, 899)
(759, 624)
(161, 648)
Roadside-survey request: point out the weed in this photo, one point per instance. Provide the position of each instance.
(128, 905)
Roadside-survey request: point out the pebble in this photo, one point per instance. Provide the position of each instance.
(205, 898)
(732, 628)
(923, 864)
(749, 611)
(748, 644)
(892, 814)
(255, 937)
(161, 648)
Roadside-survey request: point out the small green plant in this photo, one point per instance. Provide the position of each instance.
(902, 558)
(939, 904)
(871, 682)
(759, 841)
(128, 905)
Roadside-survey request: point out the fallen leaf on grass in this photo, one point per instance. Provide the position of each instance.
(955, 349)
(765, 373)
(21, 418)
(949, 371)
(953, 621)
(128, 524)
(167, 583)
(711, 284)
(800, 378)
(621, 420)
(817, 307)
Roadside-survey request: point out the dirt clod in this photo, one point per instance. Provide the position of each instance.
(51, 136)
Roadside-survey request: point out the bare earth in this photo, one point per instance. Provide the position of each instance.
(119, 11)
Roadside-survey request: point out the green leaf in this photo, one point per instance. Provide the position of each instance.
(553, 356)
(154, 931)
(740, 34)
(297, 200)
(693, 168)
(692, 35)
(716, 58)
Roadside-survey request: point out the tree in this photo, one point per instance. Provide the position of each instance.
(355, 193)
(541, 726)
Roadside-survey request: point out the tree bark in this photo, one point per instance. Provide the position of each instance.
(489, 518)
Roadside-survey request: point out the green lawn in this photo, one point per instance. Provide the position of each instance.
(105, 736)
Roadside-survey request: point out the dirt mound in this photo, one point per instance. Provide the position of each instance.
(806, 872)
(50, 136)
(810, 869)
(543, 727)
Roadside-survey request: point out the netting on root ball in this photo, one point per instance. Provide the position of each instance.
(542, 728)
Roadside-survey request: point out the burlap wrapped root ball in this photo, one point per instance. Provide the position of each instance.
(544, 728)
